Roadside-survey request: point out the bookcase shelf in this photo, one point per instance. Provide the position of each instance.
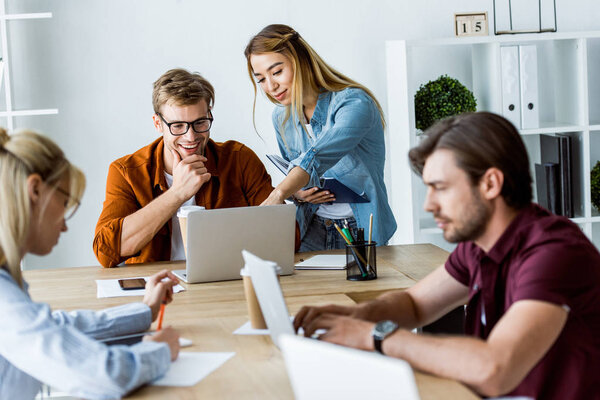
(569, 103)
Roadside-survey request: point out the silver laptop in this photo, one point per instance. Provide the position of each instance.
(216, 239)
(319, 370)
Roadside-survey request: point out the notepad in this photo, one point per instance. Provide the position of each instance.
(324, 261)
(111, 288)
(343, 194)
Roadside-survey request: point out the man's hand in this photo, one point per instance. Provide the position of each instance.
(189, 175)
(314, 196)
(308, 314)
(169, 336)
(343, 330)
(159, 290)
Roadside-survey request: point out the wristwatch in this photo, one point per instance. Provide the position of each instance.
(382, 330)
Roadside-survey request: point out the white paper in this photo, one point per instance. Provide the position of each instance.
(247, 329)
(191, 367)
(111, 288)
(324, 261)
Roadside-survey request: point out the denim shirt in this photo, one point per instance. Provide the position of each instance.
(58, 348)
(348, 145)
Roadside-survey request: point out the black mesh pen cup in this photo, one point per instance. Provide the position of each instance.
(361, 261)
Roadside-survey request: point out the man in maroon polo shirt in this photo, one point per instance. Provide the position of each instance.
(530, 279)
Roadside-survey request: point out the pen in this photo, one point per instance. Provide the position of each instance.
(370, 237)
(358, 257)
(161, 314)
(347, 233)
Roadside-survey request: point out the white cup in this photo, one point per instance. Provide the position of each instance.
(257, 320)
(182, 214)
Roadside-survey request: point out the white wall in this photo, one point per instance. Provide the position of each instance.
(95, 61)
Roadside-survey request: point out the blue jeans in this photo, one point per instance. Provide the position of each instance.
(322, 235)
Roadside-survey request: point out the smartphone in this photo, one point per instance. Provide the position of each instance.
(132, 283)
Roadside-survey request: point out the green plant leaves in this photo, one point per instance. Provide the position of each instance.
(595, 185)
(442, 98)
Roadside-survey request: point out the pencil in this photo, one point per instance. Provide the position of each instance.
(370, 237)
(161, 314)
(356, 255)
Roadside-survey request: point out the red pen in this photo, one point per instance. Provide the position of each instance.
(161, 314)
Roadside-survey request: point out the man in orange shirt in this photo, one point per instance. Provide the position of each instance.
(184, 166)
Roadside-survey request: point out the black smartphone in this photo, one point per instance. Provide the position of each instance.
(132, 283)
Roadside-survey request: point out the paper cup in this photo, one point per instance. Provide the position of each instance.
(257, 320)
(182, 215)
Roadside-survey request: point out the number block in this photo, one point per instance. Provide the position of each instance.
(471, 24)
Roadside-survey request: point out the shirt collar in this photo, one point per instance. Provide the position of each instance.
(506, 243)
(320, 114)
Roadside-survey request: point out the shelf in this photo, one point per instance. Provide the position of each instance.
(504, 39)
(26, 16)
(547, 128)
(23, 113)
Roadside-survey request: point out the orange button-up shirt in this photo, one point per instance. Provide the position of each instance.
(238, 179)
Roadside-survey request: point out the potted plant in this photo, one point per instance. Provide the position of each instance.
(595, 185)
(441, 98)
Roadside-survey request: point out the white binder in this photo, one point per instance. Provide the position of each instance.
(530, 116)
(511, 101)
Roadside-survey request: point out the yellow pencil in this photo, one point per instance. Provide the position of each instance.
(370, 237)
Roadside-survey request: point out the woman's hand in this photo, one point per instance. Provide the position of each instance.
(169, 336)
(275, 197)
(159, 290)
(314, 196)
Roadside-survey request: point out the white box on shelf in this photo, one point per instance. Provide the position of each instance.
(528, 72)
(511, 101)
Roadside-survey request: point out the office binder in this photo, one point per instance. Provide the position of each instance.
(557, 150)
(511, 101)
(343, 194)
(530, 116)
(548, 186)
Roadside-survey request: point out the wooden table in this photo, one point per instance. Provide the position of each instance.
(208, 313)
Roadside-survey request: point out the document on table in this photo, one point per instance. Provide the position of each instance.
(111, 288)
(190, 368)
(324, 261)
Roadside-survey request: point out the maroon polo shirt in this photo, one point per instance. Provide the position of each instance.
(544, 257)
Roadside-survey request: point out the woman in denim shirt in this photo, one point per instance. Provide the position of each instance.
(327, 126)
(40, 190)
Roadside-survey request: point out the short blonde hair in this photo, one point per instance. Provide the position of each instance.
(22, 155)
(182, 88)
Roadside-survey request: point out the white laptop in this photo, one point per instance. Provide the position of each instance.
(269, 294)
(319, 370)
(216, 238)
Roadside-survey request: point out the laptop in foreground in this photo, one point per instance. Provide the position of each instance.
(216, 238)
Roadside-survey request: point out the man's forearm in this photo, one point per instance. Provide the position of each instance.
(396, 305)
(140, 227)
(468, 360)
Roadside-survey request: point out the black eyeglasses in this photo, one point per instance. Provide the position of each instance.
(178, 128)
(69, 212)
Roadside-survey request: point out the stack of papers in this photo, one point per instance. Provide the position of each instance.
(190, 368)
(324, 261)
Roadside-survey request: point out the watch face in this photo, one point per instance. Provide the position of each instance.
(385, 327)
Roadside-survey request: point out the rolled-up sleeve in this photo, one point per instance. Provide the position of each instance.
(50, 348)
(120, 202)
(352, 118)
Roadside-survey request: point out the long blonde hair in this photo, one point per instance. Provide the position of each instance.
(22, 155)
(310, 71)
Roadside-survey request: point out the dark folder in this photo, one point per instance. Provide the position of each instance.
(557, 150)
(343, 194)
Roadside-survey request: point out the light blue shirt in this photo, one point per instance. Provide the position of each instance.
(58, 348)
(347, 144)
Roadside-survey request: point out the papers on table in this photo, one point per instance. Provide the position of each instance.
(190, 368)
(324, 261)
(111, 288)
(247, 329)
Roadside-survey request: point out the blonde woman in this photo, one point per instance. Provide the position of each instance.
(40, 190)
(327, 126)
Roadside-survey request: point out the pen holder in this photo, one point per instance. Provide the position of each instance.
(361, 261)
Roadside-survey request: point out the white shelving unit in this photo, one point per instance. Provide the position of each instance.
(10, 113)
(569, 103)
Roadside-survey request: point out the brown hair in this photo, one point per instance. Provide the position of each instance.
(310, 71)
(480, 141)
(182, 88)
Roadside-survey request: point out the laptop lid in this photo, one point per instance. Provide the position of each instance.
(269, 295)
(216, 238)
(319, 370)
